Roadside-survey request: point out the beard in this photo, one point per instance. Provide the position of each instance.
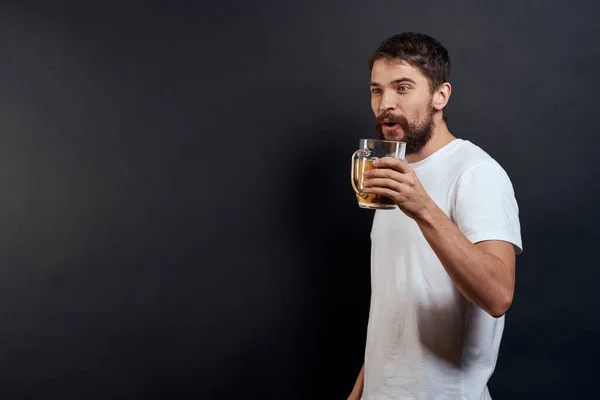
(415, 136)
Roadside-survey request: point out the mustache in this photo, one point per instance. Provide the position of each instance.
(398, 119)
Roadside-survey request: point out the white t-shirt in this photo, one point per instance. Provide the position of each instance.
(425, 340)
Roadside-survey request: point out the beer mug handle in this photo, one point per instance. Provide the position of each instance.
(358, 154)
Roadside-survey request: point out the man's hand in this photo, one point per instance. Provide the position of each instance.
(395, 179)
(358, 386)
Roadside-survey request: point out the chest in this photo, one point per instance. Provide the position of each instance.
(402, 256)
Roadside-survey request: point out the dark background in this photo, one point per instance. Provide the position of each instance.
(176, 217)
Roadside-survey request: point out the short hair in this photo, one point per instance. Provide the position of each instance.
(419, 50)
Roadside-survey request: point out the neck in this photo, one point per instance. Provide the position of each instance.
(440, 137)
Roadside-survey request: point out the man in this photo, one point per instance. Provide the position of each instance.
(443, 261)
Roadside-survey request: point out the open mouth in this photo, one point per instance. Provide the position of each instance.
(390, 124)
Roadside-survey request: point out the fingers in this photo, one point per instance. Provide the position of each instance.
(392, 163)
(390, 177)
(381, 183)
(383, 173)
(394, 190)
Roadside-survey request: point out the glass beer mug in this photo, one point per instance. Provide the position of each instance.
(362, 160)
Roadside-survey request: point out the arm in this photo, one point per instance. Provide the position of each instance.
(483, 272)
(358, 386)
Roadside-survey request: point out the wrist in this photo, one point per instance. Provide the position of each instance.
(428, 213)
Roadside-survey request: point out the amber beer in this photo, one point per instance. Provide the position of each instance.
(362, 160)
(370, 200)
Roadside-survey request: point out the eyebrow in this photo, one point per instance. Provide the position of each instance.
(395, 82)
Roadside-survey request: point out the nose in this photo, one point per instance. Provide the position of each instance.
(388, 101)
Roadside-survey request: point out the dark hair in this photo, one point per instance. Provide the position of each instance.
(421, 51)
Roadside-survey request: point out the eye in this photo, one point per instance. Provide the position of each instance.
(375, 90)
(403, 88)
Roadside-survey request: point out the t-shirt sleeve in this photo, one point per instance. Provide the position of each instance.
(485, 207)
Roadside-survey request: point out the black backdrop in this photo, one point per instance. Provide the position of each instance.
(176, 218)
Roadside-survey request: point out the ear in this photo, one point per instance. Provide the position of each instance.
(441, 96)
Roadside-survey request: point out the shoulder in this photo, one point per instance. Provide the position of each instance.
(466, 155)
(483, 202)
(468, 159)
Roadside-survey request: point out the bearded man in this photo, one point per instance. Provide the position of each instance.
(443, 261)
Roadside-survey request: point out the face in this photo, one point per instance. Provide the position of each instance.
(402, 104)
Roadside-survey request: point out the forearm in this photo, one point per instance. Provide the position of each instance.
(481, 277)
(358, 386)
